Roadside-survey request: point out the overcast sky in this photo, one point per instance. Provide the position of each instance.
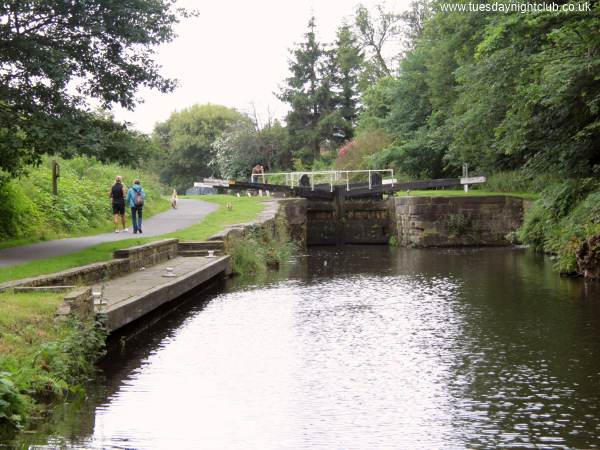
(236, 54)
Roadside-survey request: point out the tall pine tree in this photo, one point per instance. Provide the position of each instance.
(304, 95)
(322, 92)
(349, 61)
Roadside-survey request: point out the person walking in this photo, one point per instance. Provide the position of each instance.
(135, 199)
(117, 194)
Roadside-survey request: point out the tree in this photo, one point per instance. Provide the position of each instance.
(243, 146)
(237, 151)
(414, 20)
(346, 66)
(55, 54)
(374, 33)
(187, 139)
(305, 95)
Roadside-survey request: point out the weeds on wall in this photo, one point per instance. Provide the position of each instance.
(262, 248)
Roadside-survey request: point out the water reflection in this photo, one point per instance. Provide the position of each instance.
(369, 347)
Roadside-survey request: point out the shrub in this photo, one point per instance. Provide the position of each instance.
(12, 404)
(562, 219)
(355, 154)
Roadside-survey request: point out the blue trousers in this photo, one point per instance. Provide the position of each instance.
(136, 218)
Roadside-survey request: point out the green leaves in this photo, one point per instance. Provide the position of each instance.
(187, 140)
(55, 53)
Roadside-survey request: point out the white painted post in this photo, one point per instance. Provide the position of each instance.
(369, 179)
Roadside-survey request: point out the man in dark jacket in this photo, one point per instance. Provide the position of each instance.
(135, 199)
(118, 193)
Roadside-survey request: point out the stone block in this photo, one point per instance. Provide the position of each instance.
(78, 302)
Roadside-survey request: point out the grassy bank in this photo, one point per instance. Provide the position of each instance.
(243, 209)
(471, 193)
(29, 212)
(566, 215)
(41, 359)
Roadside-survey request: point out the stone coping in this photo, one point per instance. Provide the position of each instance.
(129, 251)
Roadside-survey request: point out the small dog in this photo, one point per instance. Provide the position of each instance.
(229, 206)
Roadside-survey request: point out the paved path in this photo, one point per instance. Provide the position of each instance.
(188, 212)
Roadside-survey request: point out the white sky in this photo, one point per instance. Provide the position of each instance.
(236, 53)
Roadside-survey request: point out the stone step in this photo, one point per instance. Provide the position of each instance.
(200, 245)
(198, 253)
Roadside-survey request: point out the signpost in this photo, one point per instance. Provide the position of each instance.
(55, 175)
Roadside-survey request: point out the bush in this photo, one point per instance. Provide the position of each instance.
(45, 371)
(356, 153)
(519, 181)
(12, 404)
(562, 219)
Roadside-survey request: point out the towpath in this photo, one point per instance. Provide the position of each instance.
(188, 213)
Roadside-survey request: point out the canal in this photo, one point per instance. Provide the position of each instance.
(357, 348)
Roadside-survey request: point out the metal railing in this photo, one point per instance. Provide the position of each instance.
(332, 177)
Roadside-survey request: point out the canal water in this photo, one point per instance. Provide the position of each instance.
(358, 348)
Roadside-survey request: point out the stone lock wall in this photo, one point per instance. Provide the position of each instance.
(457, 221)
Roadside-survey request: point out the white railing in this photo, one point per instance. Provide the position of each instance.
(332, 177)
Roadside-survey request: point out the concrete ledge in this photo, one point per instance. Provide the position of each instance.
(126, 311)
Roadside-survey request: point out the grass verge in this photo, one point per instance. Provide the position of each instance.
(243, 209)
(461, 193)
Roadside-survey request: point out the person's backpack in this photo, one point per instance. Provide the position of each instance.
(138, 199)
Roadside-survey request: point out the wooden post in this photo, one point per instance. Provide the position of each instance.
(55, 175)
